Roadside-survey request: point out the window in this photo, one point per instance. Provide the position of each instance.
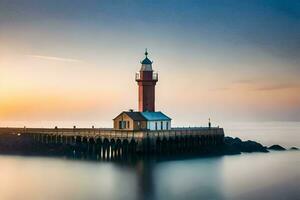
(123, 124)
(167, 127)
(161, 125)
(155, 125)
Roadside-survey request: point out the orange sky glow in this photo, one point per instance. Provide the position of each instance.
(79, 69)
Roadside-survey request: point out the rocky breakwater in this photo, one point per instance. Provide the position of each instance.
(237, 146)
(22, 144)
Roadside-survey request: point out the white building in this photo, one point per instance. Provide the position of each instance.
(157, 121)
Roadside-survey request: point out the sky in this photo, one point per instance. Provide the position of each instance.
(72, 62)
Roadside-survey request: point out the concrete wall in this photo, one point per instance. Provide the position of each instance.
(113, 143)
(127, 134)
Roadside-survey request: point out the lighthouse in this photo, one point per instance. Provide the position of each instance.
(146, 79)
(146, 118)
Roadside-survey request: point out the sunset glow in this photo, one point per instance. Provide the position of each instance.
(71, 67)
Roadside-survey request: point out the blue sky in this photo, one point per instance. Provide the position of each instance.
(206, 52)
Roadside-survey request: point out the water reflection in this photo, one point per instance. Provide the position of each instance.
(227, 177)
(274, 175)
(145, 180)
(197, 180)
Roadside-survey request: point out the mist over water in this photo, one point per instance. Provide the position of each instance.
(287, 134)
(273, 175)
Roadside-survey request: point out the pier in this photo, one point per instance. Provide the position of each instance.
(109, 143)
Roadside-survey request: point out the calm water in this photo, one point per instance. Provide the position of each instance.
(273, 175)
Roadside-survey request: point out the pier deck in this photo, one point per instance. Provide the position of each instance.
(107, 140)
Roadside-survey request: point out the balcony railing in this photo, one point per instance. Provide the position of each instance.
(154, 76)
(137, 76)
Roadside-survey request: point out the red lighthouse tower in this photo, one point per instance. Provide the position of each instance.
(146, 80)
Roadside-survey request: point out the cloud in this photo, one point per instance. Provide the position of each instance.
(244, 81)
(54, 58)
(257, 85)
(277, 87)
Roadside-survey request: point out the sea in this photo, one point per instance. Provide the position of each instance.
(274, 175)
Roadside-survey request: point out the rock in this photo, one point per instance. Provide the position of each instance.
(252, 146)
(236, 145)
(294, 148)
(277, 147)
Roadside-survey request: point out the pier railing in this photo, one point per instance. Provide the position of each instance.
(127, 134)
(138, 76)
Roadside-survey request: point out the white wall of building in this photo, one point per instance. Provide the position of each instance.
(159, 125)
